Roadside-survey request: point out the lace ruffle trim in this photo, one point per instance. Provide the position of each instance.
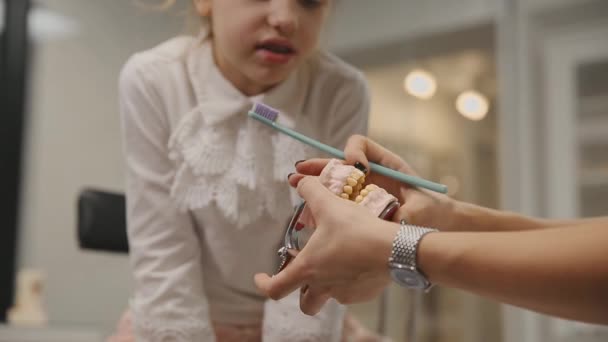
(182, 328)
(238, 165)
(283, 321)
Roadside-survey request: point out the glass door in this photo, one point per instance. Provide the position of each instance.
(576, 127)
(592, 137)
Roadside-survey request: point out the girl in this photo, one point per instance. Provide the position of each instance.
(207, 197)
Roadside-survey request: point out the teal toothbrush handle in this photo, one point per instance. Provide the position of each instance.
(409, 179)
(385, 171)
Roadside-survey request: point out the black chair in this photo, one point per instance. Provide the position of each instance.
(102, 221)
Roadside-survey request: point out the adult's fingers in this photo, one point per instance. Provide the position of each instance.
(312, 300)
(285, 282)
(311, 167)
(364, 150)
(316, 195)
(356, 150)
(263, 282)
(294, 179)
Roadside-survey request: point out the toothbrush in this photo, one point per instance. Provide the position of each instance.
(268, 116)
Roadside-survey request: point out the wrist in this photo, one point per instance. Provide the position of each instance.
(471, 217)
(459, 215)
(403, 262)
(386, 236)
(430, 256)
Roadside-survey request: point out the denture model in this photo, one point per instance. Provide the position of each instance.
(348, 182)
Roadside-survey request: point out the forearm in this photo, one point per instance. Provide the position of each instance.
(560, 271)
(165, 254)
(474, 218)
(169, 299)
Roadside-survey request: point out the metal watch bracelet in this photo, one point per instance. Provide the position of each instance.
(405, 245)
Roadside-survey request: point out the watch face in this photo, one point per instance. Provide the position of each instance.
(409, 278)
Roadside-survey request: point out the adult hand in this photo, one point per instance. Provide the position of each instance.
(346, 257)
(419, 206)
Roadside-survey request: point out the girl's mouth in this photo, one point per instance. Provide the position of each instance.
(276, 51)
(281, 49)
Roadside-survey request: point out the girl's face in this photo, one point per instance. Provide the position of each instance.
(257, 43)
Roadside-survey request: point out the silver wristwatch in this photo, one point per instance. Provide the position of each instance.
(402, 263)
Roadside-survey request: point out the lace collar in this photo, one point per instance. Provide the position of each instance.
(227, 160)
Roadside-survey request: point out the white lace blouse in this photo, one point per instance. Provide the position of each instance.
(207, 197)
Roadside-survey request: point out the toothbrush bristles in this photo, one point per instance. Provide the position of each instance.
(266, 111)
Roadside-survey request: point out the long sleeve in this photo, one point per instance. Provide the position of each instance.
(350, 111)
(169, 303)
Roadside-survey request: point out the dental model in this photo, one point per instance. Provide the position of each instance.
(348, 182)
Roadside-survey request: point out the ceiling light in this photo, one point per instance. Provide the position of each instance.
(421, 84)
(472, 105)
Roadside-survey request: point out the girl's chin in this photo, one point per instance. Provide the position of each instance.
(270, 78)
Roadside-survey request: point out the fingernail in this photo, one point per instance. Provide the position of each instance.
(361, 167)
(299, 161)
(289, 175)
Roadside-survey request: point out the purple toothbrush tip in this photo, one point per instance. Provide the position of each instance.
(266, 111)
